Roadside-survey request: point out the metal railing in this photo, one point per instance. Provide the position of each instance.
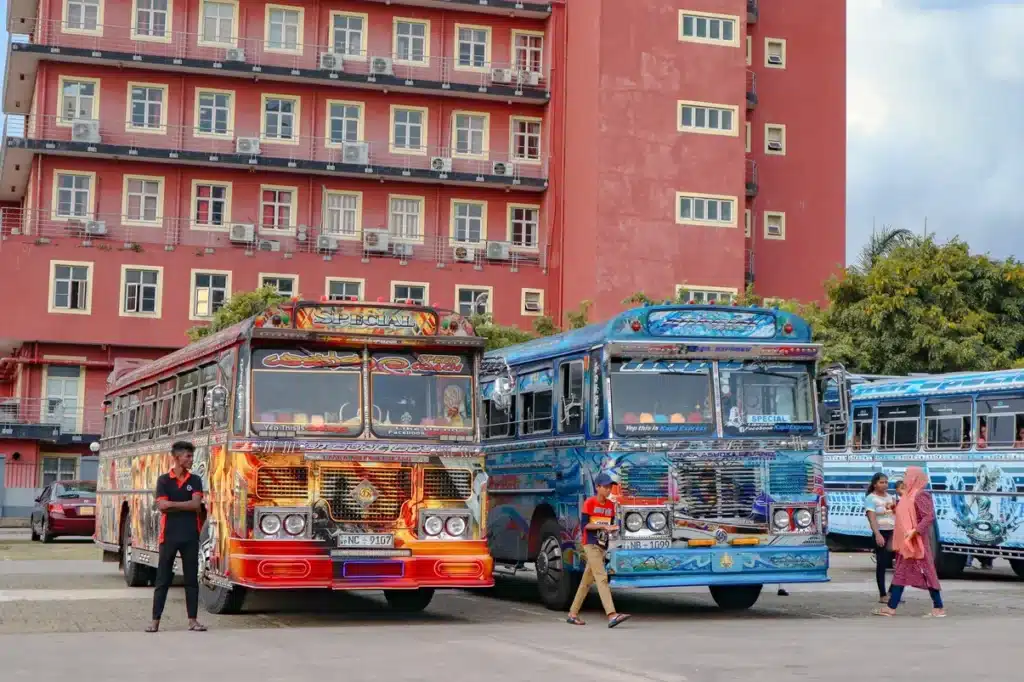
(363, 155)
(248, 236)
(750, 177)
(256, 52)
(753, 11)
(751, 89)
(50, 412)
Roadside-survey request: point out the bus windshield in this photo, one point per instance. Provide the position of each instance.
(766, 396)
(661, 397)
(421, 395)
(309, 391)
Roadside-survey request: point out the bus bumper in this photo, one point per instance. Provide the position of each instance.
(304, 565)
(718, 566)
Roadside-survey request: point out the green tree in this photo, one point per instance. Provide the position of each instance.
(881, 244)
(239, 307)
(545, 326)
(579, 318)
(498, 335)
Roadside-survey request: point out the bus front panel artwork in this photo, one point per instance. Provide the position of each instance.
(706, 420)
(340, 447)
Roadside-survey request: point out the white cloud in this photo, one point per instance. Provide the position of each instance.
(934, 90)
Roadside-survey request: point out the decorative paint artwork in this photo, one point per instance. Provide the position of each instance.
(367, 320)
(711, 323)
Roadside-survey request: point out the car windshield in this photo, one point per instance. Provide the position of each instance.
(661, 397)
(766, 396)
(76, 489)
(309, 391)
(421, 395)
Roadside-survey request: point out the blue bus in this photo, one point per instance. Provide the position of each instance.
(966, 430)
(705, 417)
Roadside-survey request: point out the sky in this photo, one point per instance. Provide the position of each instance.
(929, 83)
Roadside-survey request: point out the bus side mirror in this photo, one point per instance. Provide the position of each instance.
(217, 404)
(502, 395)
(834, 397)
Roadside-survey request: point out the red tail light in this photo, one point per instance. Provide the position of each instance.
(56, 508)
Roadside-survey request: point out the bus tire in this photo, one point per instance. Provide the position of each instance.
(1018, 567)
(735, 597)
(947, 564)
(556, 584)
(217, 599)
(409, 601)
(135, 574)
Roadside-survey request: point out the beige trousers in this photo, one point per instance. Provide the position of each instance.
(595, 573)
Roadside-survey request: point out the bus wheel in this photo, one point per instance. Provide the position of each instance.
(217, 599)
(735, 597)
(555, 583)
(947, 565)
(135, 575)
(1018, 567)
(409, 601)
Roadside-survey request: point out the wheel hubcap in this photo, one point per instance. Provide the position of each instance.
(549, 561)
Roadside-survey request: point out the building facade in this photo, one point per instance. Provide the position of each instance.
(514, 157)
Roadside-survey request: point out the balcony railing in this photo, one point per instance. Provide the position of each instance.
(244, 56)
(529, 8)
(753, 11)
(247, 236)
(751, 90)
(750, 174)
(46, 415)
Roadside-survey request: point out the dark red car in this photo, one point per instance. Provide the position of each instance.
(65, 508)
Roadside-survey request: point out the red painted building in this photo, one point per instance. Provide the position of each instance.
(517, 157)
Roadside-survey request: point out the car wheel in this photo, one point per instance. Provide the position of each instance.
(45, 533)
(32, 527)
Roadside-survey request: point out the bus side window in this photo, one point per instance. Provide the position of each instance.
(947, 424)
(899, 426)
(131, 432)
(1000, 422)
(163, 417)
(571, 409)
(836, 437)
(207, 378)
(185, 405)
(596, 394)
(499, 423)
(863, 436)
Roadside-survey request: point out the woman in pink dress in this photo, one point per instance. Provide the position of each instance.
(915, 565)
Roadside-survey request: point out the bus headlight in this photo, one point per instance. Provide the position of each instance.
(433, 525)
(780, 519)
(456, 526)
(803, 518)
(270, 524)
(657, 521)
(294, 524)
(634, 522)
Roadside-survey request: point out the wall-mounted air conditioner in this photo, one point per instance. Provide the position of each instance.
(247, 145)
(402, 249)
(502, 75)
(355, 152)
(86, 130)
(242, 233)
(503, 168)
(268, 245)
(375, 241)
(326, 242)
(234, 54)
(498, 250)
(329, 61)
(95, 228)
(382, 66)
(531, 78)
(463, 254)
(440, 164)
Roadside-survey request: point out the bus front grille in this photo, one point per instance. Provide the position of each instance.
(644, 480)
(447, 484)
(366, 494)
(790, 478)
(292, 482)
(710, 490)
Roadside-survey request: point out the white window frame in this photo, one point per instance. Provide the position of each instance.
(62, 81)
(704, 222)
(329, 130)
(522, 302)
(358, 281)
(782, 225)
(731, 292)
(168, 22)
(514, 121)
(194, 297)
(425, 57)
(748, 223)
(488, 43)
(748, 127)
(781, 128)
(89, 286)
(424, 129)
(66, 17)
(708, 110)
(277, 277)
(55, 215)
(782, 52)
(510, 210)
(750, 50)
(479, 289)
(485, 134)
(527, 51)
(230, 132)
(454, 218)
(141, 221)
(161, 127)
(357, 231)
(709, 17)
(226, 213)
(296, 116)
(289, 228)
(404, 238)
(363, 32)
(157, 294)
(299, 28)
(400, 283)
(219, 39)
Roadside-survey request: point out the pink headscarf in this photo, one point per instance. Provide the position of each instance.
(906, 516)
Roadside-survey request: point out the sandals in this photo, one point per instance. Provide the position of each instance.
(619, 618)
(882, 612)
(197, 627)
(152, 628)
(574, 620)
(934, 615)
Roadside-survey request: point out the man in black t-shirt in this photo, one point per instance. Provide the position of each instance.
(179, 497)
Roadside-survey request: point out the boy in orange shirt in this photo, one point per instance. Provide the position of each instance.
(597, 517)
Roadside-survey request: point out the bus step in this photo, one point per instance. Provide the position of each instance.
(508, 568)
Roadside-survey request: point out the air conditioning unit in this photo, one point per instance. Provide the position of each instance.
(464, 254)
(382, 66)
(375, 241)
(234, 54)
(247, 145)
(95, 228)
(355, 152)
(402, 249)
(329, 61)
(440, 164)
(775, 59)
(268, 245)
(498, 250)
(326, 242)
(531, 78)
(85, 131)
(242, 233)
(503, 168)
(502, 75)
(774, 146)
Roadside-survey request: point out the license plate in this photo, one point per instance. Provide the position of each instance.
(87, 511)
(366, 540)
(645, 544)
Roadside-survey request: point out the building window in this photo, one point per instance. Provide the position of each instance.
(716, 29)
(209, 292)
(151, 19)
(472, 47)
(218, 23)
(473, 300)
(525, 139)
(277, 208)
(775, 139)
(528, 51)
(211, 204)
(469, 221)
(342, 211)
(280, 119)
(61, 468)
(349, 31)
(70, 290)
(142, 199)
(148, 112)
(750, 50)
(344, 289)
(748, 137)
(284, 28)
(748, 223)
(344, 122)
(775, 53)
(409, 291)
(78, 99)
(405, 218)
(532, 302)
(411, 46)
(524, 226)
(284, 285)
(214, 112)
(774, 225)
(698, 117)
(141, 291)
(83, 15)
(74, 195)
(407, 126)
(704, 295)
(470, 134)
(696, 209)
